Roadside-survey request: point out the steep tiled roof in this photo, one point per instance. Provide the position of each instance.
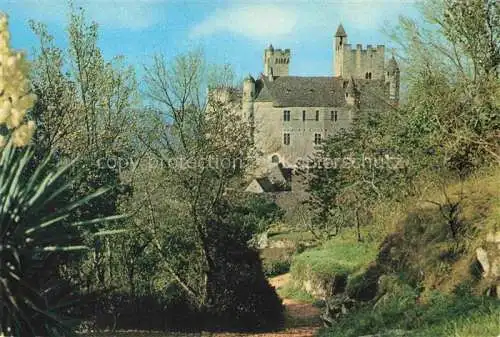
(341, 31)
(288, 91)
(263, 94)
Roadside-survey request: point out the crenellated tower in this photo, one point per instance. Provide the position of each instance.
(358, 62)
(276, 62)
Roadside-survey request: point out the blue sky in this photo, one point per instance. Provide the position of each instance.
(234, 31)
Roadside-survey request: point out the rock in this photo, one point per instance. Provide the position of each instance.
(493, 237)
(335, 307)
(281, 244)
(482, 258)
(262, 241)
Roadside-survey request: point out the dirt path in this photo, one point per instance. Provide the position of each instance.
(302, 319)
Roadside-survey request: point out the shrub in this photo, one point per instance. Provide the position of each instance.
(240, 297)
(152, 312)
(276, 267)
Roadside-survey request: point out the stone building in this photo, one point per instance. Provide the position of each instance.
(291, 115)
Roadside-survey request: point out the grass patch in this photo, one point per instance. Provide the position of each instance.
(291, 292)
(337, 256)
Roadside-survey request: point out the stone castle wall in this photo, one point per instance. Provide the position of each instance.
(358, 62)
(270, 128)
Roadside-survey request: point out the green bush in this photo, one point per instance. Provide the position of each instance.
(240, 298)
(35, 233)
(276, 267)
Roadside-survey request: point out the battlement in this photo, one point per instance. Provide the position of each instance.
(361, 62)
(360, 48)
(273, 50)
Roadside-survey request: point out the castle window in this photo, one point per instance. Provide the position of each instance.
(303, 115)
(317, 115)
(370, 76)
(333, 115)
(275, 159)
(317, 138)
(346, 94)
(286, 115)
(286, 138)
(366, 76)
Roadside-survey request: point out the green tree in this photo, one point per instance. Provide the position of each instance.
(86, 110)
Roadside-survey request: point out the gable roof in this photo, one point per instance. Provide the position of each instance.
(298, 91)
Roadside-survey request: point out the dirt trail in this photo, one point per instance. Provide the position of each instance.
(302, 319)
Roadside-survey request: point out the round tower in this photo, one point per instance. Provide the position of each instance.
(340, 41)
(268, 60)
(248, 96)
(392, 79)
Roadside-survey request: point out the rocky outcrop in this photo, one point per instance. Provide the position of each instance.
(488, 257)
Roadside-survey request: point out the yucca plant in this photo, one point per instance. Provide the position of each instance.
(33, 231)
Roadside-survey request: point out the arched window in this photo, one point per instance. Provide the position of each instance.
(370, 76)
(275, 159)
(346, 94)
(366, 76)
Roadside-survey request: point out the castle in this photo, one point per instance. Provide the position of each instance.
(291, 115)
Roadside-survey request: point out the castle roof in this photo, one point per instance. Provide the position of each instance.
(288, 91)
(340, 31)
(311, 91)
